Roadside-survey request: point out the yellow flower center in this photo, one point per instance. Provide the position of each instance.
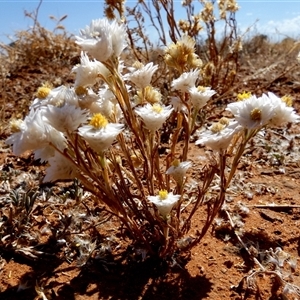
(176, 162)
(243, 96)
(157, 108)
(80, 91)
(43, 92)
(98, 121)
(201, 88)
(138, 65)
(255, 114)
(163, 194)
(224, 121)
(217, 127)
(288, 100)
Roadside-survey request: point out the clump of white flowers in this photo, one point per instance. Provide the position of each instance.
(108, 132)
(256, 112)
(251, 114)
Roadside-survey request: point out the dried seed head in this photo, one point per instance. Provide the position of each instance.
(236, 46)
(207, 13)
(149, 95)
(182, 54)
(232, 6)
(114, 5)
(208, 70)
(194, 61)
(184, 25)
(109, 13)
(227, 6)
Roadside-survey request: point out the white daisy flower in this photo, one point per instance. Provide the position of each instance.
(35, 133)
(87, 71)
(141, 76)
(154, 115)
(66, 118)
(57, 97)
(103, 39)
(60, 168)
(282, 112)
(200, 95)
(219, 136)
(252, 113)
(164, 202)
(185, 81)
(178, 169)
(99, 133)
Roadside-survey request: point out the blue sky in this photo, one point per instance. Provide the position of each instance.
(275, 18)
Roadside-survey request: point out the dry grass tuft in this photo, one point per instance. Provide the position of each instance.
(267, 65)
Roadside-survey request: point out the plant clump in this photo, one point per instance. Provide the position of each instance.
(106, 132)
